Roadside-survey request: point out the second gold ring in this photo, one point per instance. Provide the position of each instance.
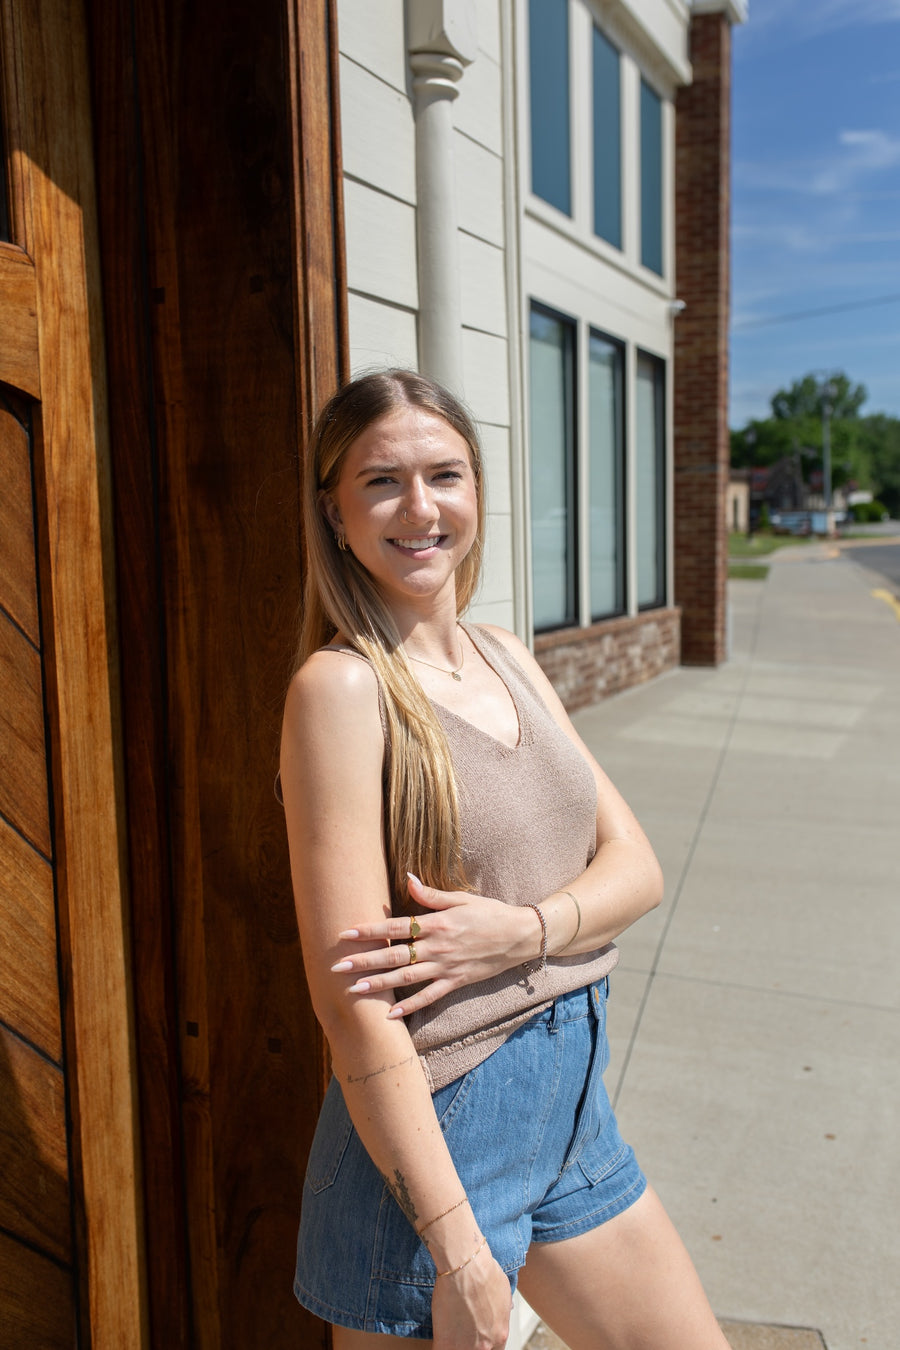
(413, 954)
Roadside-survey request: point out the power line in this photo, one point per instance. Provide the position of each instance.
(815, 313)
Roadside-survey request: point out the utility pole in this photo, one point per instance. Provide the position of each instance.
(827, 395)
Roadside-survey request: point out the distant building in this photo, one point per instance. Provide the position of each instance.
(737, 501)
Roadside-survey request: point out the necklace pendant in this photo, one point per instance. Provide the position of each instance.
(456, 675)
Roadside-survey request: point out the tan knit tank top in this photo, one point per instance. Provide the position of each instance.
(529, 821)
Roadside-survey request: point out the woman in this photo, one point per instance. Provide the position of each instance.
(461, 867)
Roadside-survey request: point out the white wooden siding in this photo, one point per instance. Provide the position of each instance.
(495, 448)
(483, 283)
(381, 335)
(377, 133)
(486, 376)
(381, 245)
(479, 186)
(373, 33)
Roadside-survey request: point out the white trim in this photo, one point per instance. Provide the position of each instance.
(621, 22)
(548, 217)
(736, 11)
(631, 607)
(583, 472)
(512, 210)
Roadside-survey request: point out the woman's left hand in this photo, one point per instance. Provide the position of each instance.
(462, 939)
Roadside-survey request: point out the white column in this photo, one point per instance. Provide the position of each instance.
(442, 42)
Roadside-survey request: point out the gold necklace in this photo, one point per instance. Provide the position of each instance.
(454, 674)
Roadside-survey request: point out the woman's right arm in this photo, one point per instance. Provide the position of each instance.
(331, 777)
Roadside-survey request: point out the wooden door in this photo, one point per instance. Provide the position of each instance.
(171, 315)
(223, 291)
(70, 1231)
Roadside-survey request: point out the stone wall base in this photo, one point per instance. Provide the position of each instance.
(586, 665)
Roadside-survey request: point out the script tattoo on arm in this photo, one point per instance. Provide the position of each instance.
(384, 1068)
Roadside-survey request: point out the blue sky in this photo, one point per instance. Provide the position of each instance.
(816, 198)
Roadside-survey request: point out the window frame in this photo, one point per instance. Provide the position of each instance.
(660, 418)
(652, 173)
(620, 553)
(544, 90)
(598, 36)
(571, 465)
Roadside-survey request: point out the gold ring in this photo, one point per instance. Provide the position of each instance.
(413, 954)
(414, 928)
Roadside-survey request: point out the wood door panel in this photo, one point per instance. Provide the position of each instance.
(23, 780)
(18, 581)
(29, 982)
(224, 316)
(18, 297)
(36, 1297)
(34, 1185)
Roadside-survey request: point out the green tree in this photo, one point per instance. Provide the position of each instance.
(880, 437)
(805, 400)
(795, 428)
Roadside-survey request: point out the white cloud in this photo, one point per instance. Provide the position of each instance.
(861, 153)
(857, 154)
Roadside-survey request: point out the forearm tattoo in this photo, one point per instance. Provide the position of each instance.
(399, 1191)
(374, 1073)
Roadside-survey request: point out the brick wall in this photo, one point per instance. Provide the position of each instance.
(588, 664)
(701, 448)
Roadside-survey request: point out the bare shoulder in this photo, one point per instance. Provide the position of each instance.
(332, 674)
(331, 707)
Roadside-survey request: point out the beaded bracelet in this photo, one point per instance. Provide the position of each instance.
(478, 1249)
(532, 967)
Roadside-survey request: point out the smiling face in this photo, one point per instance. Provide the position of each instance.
(406, 501)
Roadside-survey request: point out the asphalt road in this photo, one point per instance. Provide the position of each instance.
(883, 558)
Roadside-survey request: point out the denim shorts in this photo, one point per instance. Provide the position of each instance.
(536, 1145)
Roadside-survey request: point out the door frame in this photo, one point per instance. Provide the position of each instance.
(54, 352)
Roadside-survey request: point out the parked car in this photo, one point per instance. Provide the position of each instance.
(791, 522)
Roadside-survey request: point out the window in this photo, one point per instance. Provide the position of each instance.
(651, 179)
(585, 578)
(606, 476)
(650, 477)
(549, 74)
(607, 142)
(553, 547)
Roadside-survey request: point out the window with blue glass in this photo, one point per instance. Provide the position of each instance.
(607, 141)
(552, 425)
(651, 179)
(548, 29)
(606, 475)
(650, 481)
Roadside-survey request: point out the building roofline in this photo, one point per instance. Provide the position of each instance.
(736, 11)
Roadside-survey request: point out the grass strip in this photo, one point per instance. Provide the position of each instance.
(747, 571)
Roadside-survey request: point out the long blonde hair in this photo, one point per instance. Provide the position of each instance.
(422, 824)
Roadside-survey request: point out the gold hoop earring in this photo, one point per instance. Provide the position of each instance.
(341, 541)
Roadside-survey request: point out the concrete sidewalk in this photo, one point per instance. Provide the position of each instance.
(755, 1017)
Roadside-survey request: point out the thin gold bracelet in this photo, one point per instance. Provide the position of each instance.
(577, 926)
(468, 1259)
(420, 1231)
